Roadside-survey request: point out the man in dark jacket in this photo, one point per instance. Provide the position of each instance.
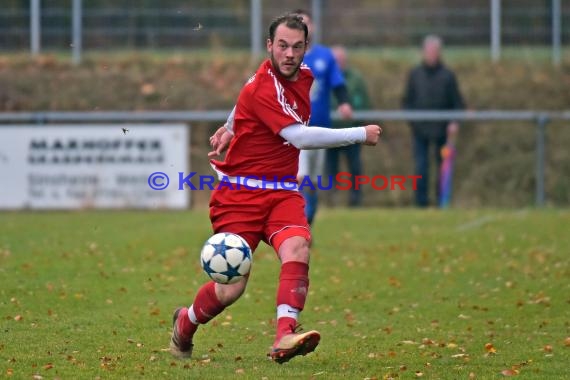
(431, 86)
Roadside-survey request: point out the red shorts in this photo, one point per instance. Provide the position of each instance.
(266, 215)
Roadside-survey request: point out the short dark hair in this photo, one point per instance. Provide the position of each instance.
(292, 21)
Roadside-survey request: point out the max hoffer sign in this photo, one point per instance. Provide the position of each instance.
(89, 166)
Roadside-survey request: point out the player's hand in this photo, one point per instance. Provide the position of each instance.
(373, 133)
(215, 138)
(220, 141)
(345, 111)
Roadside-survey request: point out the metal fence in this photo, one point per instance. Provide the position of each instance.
(107, 25)
(540, 118)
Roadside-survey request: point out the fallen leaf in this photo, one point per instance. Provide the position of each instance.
(510, 372)
(240, 371)
(419, 373)
(9, 372)
(48, 366)
(459, 355)
(547, 348)
(567, 341)
(393, 281)
(490, 348)
(471, 375)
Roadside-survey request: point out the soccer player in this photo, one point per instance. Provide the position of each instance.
(264, 132)
(328, 78)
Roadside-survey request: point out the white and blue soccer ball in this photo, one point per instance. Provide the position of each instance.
(226, 258)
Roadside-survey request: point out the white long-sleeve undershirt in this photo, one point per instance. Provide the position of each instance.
(304, 137)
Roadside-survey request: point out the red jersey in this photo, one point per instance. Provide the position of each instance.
(267, 103)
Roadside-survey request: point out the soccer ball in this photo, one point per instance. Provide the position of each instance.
(226, 258)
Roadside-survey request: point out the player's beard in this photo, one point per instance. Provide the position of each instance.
(278, 68)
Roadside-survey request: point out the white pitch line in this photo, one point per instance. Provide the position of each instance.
(476, 223)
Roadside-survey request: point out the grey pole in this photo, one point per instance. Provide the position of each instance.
(556, 31)
(495, 30)
(540, 142)
(256, 26)
(35, 27)
(76, 32)
(316, 11)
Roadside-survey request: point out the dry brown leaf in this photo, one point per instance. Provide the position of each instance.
(48, 366)
(419, 373)
(428, 342)
(547, 348)
(510, 372)
(567, 341)
(240, 371)
(18, 318)
(490, 348)
(471, 375)
(9, 372)
(393, 281)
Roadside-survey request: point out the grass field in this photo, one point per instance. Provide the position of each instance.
(395, 293)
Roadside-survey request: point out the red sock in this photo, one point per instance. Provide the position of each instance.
(292, 291)
(206, 304)
(186, 326)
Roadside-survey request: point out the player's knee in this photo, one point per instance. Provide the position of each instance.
(295, 248)
(229, 293)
